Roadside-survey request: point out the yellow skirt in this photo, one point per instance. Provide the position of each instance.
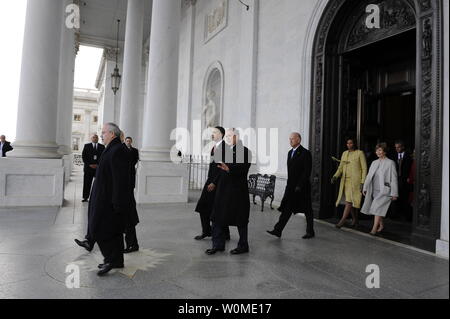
(349, 196)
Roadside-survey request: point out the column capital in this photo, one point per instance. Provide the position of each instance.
(110, 53)
(77, 42)
(189, 3)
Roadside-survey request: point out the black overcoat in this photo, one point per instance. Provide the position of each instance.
(299, 173)
(232, 202)
(91, 156)
(134, 158)
(6, 148)
(109, 200)
(206, 201)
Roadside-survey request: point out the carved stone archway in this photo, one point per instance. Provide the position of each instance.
(214, 82)
(333, 27)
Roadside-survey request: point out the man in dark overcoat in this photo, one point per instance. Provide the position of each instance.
(205, 203)
(403, 162)
(297, 196)
(132, 218)
(108, 206)
(232, 202)
(5, 146)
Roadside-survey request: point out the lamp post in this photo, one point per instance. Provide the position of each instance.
(116, 77)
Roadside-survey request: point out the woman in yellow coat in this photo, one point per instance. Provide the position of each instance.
(352, 171)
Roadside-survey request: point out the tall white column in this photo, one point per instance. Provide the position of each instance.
(69, 48)
(161, 104)
(160, 180)
(38, 97)
(132, 65)
(66, 81)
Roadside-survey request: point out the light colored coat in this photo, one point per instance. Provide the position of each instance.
(379, 204)
(352, 164)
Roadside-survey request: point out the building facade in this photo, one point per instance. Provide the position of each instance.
(85, 118)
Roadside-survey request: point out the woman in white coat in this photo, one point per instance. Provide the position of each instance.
(380, 188)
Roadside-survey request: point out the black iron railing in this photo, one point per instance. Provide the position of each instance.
(198, 170)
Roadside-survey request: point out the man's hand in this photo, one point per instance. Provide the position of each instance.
(334, 180)
(298, 189)
(211, 187)
(224, 167)
(93, 166)
(394, 198)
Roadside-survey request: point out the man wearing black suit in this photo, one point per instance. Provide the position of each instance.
(134, 157)
(297, 196)
(4, 146)
(403, 162)
(91, 156)
(132, 220)
(206, 201)
(108, 205)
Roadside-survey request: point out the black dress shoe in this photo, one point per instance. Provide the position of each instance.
(239, 251)
(202, 236)
(100, 266)
(85, 244)
(130, 249)
(274, 233)
(308, 236)
(105, 269)
(213, 251)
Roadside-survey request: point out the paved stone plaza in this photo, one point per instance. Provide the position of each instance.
(36, 245)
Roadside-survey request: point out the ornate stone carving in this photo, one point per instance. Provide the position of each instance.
(427, 38)
(216, 20)
(77, 42)
(425, 5)
(327, 22)
(426, 123)
(395, 15)
(188, 3)
(317, 130)
(110, 53)
(427, 208)
(424, 207)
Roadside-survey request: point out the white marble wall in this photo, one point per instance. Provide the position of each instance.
(224, 47)
(285, 33)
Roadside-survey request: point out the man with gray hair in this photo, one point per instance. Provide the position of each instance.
(108, 205)
(232, 202)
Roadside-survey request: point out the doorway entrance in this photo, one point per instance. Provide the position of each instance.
(377, 93)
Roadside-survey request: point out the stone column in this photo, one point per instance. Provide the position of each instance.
(38, 97)
(248, 66)
(111, 102)
(69, 48)
(160, 180)
(34, 176)
(132, 65)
